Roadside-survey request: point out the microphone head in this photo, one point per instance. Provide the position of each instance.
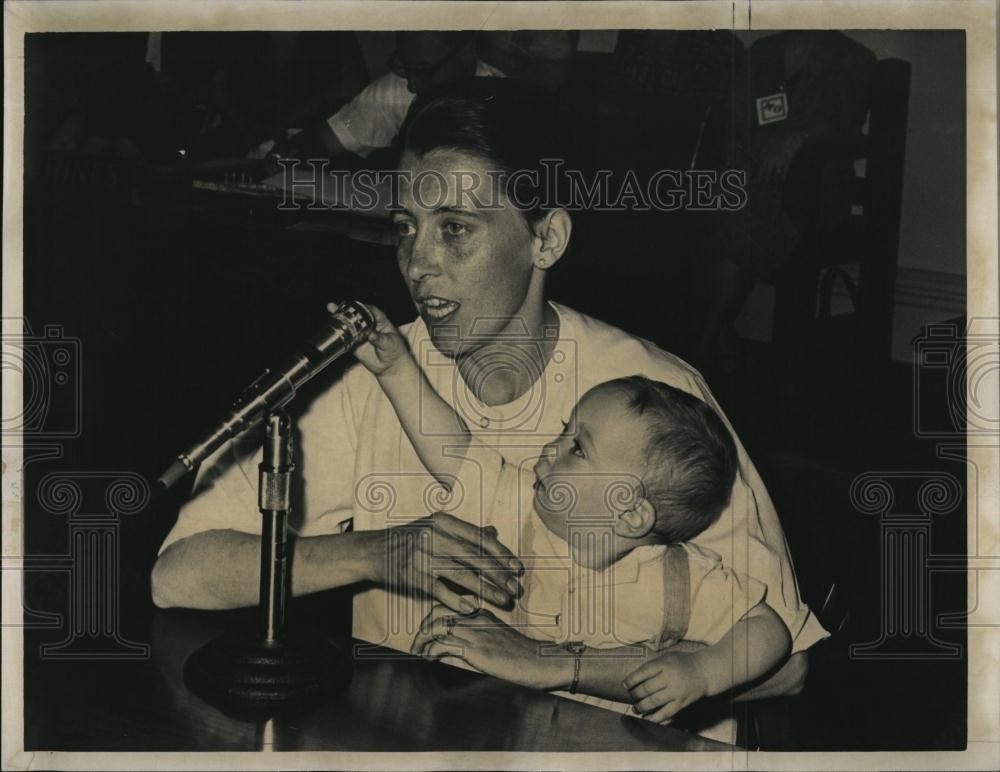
(356, 318)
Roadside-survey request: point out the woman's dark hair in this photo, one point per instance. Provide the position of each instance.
(507, 123)
(691, 458)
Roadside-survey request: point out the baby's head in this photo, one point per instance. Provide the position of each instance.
(657, 460)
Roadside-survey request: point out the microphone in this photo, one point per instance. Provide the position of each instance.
(346, 327)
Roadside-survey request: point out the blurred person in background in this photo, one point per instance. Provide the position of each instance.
(803, 88)
(421, 60)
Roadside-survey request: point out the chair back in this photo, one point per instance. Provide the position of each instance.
(862, 252)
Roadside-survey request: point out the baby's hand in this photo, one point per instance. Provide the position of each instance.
(666, 685)
(385, 347)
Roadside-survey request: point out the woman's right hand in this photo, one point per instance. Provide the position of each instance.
(439, 553)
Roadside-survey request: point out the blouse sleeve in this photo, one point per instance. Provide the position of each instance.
(225, 490)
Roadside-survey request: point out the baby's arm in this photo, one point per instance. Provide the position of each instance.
(674, 680)
(438, 433)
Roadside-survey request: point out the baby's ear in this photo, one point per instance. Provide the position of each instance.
(636, 522)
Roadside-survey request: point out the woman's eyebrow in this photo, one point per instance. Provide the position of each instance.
(457, 210)
(402, 210)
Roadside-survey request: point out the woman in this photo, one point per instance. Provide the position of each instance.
(475, 265)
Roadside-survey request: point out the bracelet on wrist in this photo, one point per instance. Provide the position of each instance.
(576, 648)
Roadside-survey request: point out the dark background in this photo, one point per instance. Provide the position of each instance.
(179, 298)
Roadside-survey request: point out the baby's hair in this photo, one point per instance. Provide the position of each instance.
(690, 457)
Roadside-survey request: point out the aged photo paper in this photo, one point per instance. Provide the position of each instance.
(122, 320)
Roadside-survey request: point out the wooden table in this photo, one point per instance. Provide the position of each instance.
(394, 704)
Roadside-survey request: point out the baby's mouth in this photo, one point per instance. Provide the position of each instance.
(437, 308)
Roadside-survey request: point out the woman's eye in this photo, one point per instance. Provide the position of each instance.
(404, 228)
(576, 450)
(456, 228)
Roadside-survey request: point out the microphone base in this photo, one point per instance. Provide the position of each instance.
(245, 676)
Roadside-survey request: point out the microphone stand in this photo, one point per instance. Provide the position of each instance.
(274, 502)
(271, 668)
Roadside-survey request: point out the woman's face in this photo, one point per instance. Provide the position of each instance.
(466, 257)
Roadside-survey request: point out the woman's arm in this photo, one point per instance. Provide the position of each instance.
(751, 649)
(787, 681)
(221, 568)
(496, 648)
(605, 672)
(663, 682)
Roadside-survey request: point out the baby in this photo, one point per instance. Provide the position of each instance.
(640, 469)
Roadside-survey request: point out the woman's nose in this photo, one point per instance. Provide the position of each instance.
(422, 260)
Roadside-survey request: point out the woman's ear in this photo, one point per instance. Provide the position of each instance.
(636, 522)
(552, 234)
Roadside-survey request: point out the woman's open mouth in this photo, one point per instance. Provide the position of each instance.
(437, 308)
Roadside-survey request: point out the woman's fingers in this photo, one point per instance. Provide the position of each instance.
(448, 646)
(440, 622)
(455, 601)
(447, 561)
(420, 641)
(487, 537)
(433, 626)
(466, 583)
(470, 569)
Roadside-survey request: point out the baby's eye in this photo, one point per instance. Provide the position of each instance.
(455, 228)
(405, 228)
(576, 450)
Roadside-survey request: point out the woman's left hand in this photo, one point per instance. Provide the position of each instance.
(491, 646)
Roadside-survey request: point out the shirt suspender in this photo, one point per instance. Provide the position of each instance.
(676, 596)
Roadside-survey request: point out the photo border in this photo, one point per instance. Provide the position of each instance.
(976, 17)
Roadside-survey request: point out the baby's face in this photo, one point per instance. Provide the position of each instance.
(591, 471)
